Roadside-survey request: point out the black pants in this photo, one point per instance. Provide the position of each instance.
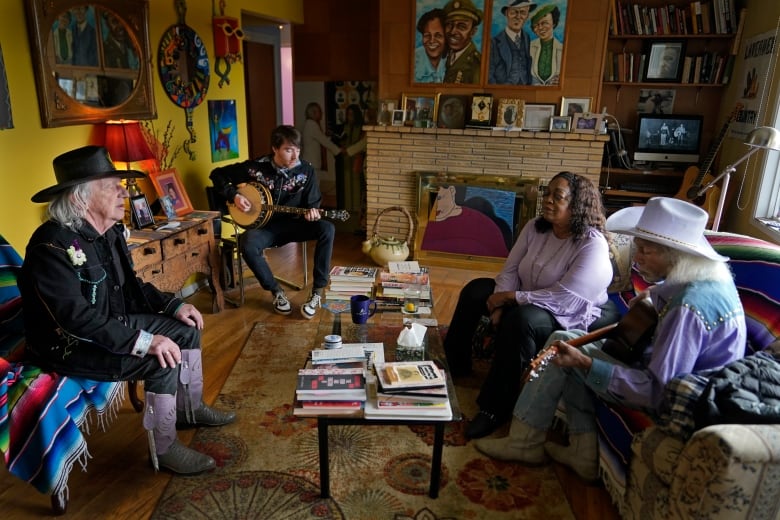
(521, 333)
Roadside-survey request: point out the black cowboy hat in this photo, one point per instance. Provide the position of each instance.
(84, 164)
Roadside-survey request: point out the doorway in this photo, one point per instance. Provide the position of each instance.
(260, 85)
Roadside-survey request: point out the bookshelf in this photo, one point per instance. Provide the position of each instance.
(707, 35)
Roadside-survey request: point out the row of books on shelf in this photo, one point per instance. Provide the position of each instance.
(708, 68)
(697, 17)
(336, 384)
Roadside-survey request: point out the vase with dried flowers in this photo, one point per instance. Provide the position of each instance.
(161, 144)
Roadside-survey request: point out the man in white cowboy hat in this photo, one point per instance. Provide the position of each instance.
(87, 315)
(701, 325)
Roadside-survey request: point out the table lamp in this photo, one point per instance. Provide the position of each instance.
(126, 143)
(761, 138)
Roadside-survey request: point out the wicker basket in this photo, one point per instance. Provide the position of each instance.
(388, 249)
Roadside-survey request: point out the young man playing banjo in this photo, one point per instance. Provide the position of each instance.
(289, 185)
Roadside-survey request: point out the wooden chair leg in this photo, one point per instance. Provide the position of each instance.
(132, 392)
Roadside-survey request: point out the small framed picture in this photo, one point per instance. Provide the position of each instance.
(142, 213)
(418, 109)
(586, 123)
(452, 110)
(664, 61)
(398, 118)
(167, 205)
(560, 123)
(536, 117)
(168, 183)
(573, 105)
(481, 109)
(386, 109)
(510, 113)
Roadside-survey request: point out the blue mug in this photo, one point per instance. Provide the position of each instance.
(362, 308)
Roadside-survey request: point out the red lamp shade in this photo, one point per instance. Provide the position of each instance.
(125, 142)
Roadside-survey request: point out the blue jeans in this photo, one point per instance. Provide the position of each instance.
(539, 399)
(284, 230)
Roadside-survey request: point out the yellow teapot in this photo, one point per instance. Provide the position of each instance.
(388, 249)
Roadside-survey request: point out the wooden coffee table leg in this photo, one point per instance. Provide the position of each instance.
(438, 445)
(322, 436)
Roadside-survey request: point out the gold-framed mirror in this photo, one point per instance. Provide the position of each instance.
(91, 59)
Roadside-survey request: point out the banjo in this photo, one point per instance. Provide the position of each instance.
(263, 207)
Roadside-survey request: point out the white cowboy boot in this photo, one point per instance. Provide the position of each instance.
(523, 444)
(191, 410)
(164, 446)
(581, 455)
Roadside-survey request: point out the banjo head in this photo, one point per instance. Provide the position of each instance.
(259, 196)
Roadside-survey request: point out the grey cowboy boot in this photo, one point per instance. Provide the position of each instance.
(164, 446)
(191, 410)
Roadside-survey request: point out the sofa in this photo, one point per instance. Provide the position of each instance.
(669, 469)
(44, 417)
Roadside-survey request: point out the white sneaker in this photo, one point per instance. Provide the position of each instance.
(309, 309)
(281, 303)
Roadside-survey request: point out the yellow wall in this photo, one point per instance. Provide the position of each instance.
(26, 151)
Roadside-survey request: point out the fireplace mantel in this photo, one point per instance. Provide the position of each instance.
(395, 153)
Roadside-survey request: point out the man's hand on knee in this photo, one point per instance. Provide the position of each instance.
(167, 351)
(190, 315)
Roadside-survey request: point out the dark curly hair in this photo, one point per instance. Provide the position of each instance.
(587, 210)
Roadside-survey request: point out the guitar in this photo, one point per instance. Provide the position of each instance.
(262, 208)
(694, 176)
(626, 341)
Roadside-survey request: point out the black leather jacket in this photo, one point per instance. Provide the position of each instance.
(75, 309)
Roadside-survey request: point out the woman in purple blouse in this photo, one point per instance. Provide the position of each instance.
(555, 278)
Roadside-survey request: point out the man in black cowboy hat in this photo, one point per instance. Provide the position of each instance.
(87, 315)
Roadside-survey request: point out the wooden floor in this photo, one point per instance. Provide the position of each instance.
(119, 482)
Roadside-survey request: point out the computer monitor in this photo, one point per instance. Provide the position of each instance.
(668, 138)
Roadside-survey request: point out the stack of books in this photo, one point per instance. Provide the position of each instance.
(391, 285)
(414, 390)
(330, 391)
(347, 281)
(333, 382)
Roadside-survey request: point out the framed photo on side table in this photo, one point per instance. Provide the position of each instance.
(573, 105)
(536, 117)
(664, 61)
(167, 183)
(142, 213)
(560, 124)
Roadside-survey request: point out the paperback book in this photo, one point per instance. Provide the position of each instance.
(422, 413)
(331, 384)
(353, 273)
(408, 375)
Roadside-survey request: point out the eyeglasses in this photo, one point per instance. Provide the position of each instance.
(557, 196)
(230, 30)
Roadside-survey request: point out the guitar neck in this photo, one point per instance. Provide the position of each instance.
(287, 209)
(705, 166)
(592, 336)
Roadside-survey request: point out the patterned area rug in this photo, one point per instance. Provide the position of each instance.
(268, 460)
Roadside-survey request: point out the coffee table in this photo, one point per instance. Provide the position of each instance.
(384, 327)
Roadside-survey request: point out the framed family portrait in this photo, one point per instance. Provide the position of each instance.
(398, 118)
(432, 51)
(451, 110)
(523, 29)
(167, 183)
(419, 110)
(510, 113)
(574, 105)
(664, 61)
(536, 117)
(142, 213)
(586, 123)
(560, 123)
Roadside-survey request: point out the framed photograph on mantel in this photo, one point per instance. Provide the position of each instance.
(574, 105)
(510, 113)
(452, 110)
(536, 117)
(481, 110)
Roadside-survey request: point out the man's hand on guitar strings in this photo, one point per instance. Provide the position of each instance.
(312, 214)
(568, 356)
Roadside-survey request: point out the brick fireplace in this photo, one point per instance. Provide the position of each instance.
(396, 153)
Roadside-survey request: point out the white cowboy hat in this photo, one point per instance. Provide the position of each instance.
(670, 222)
